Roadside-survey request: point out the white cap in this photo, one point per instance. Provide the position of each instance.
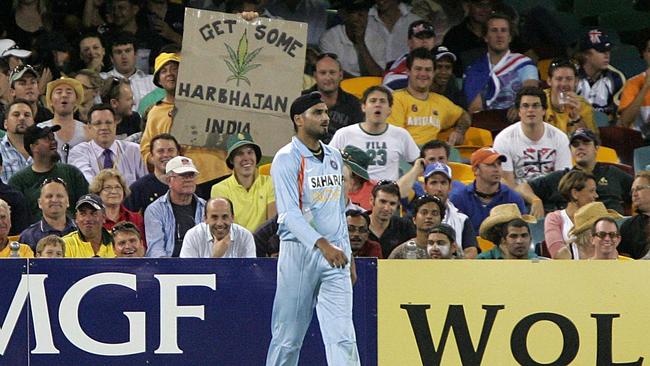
(180, 165)
(8, 48)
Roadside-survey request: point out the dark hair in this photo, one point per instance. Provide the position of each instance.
(574, 179)
(122, 38)
(560, 63)
(358, 213)
(164, 136)
(91, 34)
(113, 89)
(100, 107)
(435, 144)
(421, 53)
(207, 203)
(13, 103)
(422, 200)
(4, 66)
(512, 223)
(170, 48)
(446, 230)
(606, 219)
(531, 91)
(643, 44)
(498, 15)
(333, 56)
(389, 187)
(378, 88)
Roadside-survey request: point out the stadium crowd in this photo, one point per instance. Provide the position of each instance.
(468, 129)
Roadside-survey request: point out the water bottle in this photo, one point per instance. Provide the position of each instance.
(411, 250)
(14, 247)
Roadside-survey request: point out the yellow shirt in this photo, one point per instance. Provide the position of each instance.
(24, 251)
(423, 119)
(211, 163)
(75, 247)
(250, 206)
(561, 119)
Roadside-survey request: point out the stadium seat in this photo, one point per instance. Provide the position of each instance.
(623, 140)
(492, 120)
(454, 155)
(542, 66)
(601, 119)
(461, 172)
(265, 169)
(478, 137)
(356, 86)
(466, 152)
(607, 155)
(537, 232)
(641, 158)
(484, 244)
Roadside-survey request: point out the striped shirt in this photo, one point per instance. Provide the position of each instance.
(12, 159)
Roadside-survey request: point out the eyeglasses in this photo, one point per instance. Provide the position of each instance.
(53, 180)
(124, 226)
(357, 229)
(604, 234)
(561, 62)
(327, 54)
(386, 182)
(426, 196)
(640, 188)
(530, 106)
(112, 188)
(20, 68)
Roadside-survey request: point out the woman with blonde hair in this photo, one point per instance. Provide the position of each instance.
(92, 85)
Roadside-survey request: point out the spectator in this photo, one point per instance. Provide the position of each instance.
(605, 239)
(10, 52)
(92, 52)
(14, 156)
(90, 239)
(486, 192)
(91, 84)
(104, 151)
(50, 246)
(565, 109)
(267, 241)
(63, 97)
(127, 240)
(349, 41)
(169, 217)
(120, 98)
(53, 203)
(5, 226)
(124, 16)
(149, 188)
(508, 229)
(585, 242)
(444, 82)
(5, 96)
(424, 113)
(358, 185)
(613, 185)
(41, 145)
(23, 84)
(634, 231)
(598, 82)
(20, 215)
(420, 34)
(532, 147)
(312, 12)
(493, 80)
(111, 187)
(386, 228)
(429, 212)
(635, 99)
(579, 189)
(218, 236)
(441, 243)
(123, 51)
(344, 108)
(385, 144)
(250, 193)
(358, 229)
(210, 162)
(165, 19)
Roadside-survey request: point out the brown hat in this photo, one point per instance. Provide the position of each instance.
(502, 214)
(73, 83)
(587, 215)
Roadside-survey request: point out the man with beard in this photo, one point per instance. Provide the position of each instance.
(53, 203)
(429, 212)
(508, 229)
(441, 243)
(358, 223)
(14, 156)
(127, 240)
(218, 236)
(41, 145)
(23, 84)
(90, 239)
(313, 269)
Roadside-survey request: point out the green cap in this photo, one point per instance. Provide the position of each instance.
(357, 160)
(238, 140)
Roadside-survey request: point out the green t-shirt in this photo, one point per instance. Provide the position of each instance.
(29, 183)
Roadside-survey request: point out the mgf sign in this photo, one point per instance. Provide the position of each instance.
(513, 313)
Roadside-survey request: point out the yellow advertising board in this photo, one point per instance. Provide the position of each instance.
(461, 312)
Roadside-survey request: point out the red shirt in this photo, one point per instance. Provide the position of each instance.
(362, 196)
(370, 249)
(126, 215)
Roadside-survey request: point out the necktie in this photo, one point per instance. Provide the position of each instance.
(108, 160)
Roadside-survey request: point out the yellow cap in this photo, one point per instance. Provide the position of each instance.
(161, 60)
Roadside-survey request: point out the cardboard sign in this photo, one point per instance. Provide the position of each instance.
(238, 76)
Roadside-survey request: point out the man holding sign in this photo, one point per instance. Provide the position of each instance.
(313, 265)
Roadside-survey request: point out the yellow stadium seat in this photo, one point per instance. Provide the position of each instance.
(466, 151)
(607, 155)
(356, 86)
(461, 172)
(265, 169)
(473, 137)
(543, 66)
(484, 244)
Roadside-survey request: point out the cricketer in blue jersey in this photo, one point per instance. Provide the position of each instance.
(313, 268)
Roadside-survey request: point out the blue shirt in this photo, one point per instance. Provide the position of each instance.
(468, 202)
(309, 195)
(12, 160)
(41, 229)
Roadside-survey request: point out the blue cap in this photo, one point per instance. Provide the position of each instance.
(437, 167)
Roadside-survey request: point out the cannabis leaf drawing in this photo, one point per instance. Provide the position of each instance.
(240, 62)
